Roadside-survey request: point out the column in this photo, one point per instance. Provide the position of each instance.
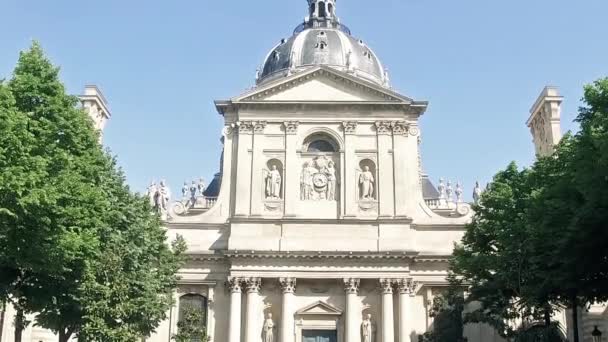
(253, 295)
(351, 326)
(405, 288)
(234, 325)
(292, 169)
(388, 326)
(288, 286)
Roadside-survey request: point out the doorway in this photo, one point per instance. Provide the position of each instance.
(319, 336)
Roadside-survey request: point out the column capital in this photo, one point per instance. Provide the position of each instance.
(245, 127)
(400, 128)
(288, 285)
(349, 127)
(258, 127)
(351, 285)
(406, 286)
(383, 127)
(253, 285)
(386, 285)
(234, 284)
(291, 127)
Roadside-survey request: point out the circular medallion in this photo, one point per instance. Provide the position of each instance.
(319, 180)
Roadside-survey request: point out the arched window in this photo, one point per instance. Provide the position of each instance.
(192, 319)
(322, 13)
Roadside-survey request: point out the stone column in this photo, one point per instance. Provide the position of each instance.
(388, 326)
(351, 326)
(234, 325)
(405, 288)
(288, 286)
(253, 295)
(211, 312)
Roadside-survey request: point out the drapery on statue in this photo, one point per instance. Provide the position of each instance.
(366, 183)
(366, 329)
(330, 171)
(267, 330)
(273, 184)
(306, 185)
(159, 196)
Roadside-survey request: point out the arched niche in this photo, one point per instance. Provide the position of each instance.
(273, 180)
(367, 180)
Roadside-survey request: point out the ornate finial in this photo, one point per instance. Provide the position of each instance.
(257, 75)
(387, 80)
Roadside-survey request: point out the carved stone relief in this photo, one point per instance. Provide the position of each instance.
(319, 179)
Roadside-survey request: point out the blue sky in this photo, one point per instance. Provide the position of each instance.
(480, 63)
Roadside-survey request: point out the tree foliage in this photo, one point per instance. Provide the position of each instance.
(76, 245)
(191, 326)
(538, 240)
(447, 312)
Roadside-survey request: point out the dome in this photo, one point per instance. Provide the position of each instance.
(322, 40)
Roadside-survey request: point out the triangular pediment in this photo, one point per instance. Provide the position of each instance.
(321, 84)
(319, 308)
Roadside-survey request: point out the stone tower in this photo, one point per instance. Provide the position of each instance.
(544, 121)
(96, 106)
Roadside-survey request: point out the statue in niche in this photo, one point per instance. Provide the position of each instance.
(306, 181)
(330, 171)
(268, 329)
(367, 329)
(273, 184)
(366, 184)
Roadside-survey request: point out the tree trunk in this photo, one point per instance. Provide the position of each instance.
(64, 335)
(19, 322)
(575, 319)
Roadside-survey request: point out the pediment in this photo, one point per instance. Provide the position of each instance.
(321, 84)
(319, 308)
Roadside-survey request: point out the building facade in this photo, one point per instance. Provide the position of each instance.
(321, 225)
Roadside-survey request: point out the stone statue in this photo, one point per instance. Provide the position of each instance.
(330, 171)
(477, 193)
(268, 329)
(185, 190)
(349, 60)
(306, 185)
(273, 183)
(162, 197)
(449, 191)
(441, 188)
(201, 186)
(366, 183)
(458, 192)
(387, 80)
(193, 189)
(366, 329)
(151, 193)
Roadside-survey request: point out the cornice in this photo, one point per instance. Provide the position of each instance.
(298, 220)
(404, 255)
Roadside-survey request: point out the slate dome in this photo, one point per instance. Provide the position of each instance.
(322, 40)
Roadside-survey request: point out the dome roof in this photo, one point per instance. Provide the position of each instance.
(322, 41)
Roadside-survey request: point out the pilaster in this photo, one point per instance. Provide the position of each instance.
(350, 165)
(257, 167)
(291, 174)
(384, 183)
(243, 174)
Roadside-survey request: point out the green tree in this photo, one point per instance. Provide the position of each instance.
(76, 245)
(447, 312)
(191, 326)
